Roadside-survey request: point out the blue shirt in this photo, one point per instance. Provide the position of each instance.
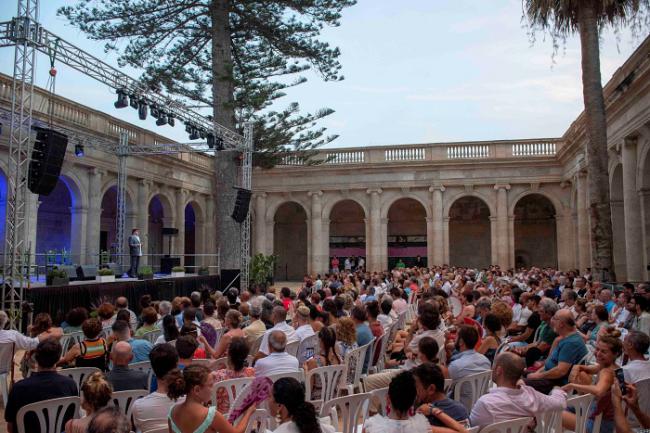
(364, 335)
(610, 305)
(570, 349)
(464, 364)
(141, 349)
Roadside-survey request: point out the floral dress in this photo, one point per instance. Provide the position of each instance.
(223, 405)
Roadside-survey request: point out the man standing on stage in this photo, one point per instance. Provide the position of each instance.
(135, 247)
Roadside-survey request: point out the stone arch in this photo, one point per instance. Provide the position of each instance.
(347, 229)
(470, 232)
(160, 213)
(332, 202)
(535, 232)
(407, 232)
(488, 201)
(548, 195)
(274, 205)
(618, 220)
(391, 199)
(290, 240)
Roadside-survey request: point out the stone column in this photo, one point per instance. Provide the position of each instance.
(179, 239)
(644, 199)
(317, 259)
(374, 246)
(270, 233)
(584, 248)
(445, 239)
(259, 246)
(78, 218)
(326, 244)
(437, 256)
(383, 245)
(494, 241)
(93, 227)
(563, 228)
(143, 221)
(502, 239)
(430, 246)
(209, 242)
(632, 210)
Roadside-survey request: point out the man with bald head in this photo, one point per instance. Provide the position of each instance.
(511, 398)
(120, 376)
(568, 352)
(278, 360)
(279, 318)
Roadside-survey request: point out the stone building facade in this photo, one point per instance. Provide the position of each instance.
(512, 203)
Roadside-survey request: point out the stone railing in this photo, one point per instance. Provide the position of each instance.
(480, 150)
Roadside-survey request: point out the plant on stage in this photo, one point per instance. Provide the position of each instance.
(56, 277)
(262, 268)
(145, 272)
(204, 270)
(105, 272)
(178, 269)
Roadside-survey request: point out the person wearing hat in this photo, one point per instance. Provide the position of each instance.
(303, 327)
(135, 249)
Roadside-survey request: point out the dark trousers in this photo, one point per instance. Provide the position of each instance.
(133, 270)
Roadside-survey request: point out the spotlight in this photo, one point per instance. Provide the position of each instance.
(142, 110)
(194, 135)
(219, 142)
(188, 127)
(122, 99)
(155, 113)
(202, 134)
(210, 138)
(79, 150)
(162, 119)
(170, 120)
(133, 102)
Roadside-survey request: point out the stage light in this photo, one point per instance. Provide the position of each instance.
(194, 135)
(155, 113)
(79, 150)
(170, 120)
(202, 134)
(162, 119)
(133, 102)
(142, 110)
(219, 143)
(122, 99)
(210, 138)
(188, 127)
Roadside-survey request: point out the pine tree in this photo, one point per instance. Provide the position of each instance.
(237, 56)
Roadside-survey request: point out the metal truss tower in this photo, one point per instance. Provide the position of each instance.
(246, 183)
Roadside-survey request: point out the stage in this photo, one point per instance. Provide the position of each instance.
(58, 300)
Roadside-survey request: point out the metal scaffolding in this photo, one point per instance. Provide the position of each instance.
(27, 36)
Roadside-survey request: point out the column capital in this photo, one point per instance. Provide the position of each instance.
(630, 141)
(440, 188)
(314, 194)
(500, 186)
(374, 191)
(581, 173)
(260, 194)
(145, 183)
(493, 218)
(94, 171)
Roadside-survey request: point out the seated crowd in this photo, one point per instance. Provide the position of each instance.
(538, 336)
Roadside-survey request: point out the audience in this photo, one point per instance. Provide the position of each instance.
(278, 360)
(430, 386)
(256, 328)
(236, 368)
(467, 361)
(295, 415)
(95, 395)
(279, 324)
(92, 351)
(109, 420)
(121, 377)
(140, 348)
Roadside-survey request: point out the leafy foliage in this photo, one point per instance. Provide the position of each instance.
(262, 267)
(105, 272)
(271, 42)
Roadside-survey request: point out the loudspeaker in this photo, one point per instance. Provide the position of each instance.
(169, 231)
(87, 272)
(229, 278)
(47, 158)
(242, 202)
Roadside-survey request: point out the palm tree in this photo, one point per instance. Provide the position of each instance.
(562, 18)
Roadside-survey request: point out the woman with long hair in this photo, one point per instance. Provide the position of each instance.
(491, 341)
(237, 353)
(346, 336)
(192, 416)
(326, 356)
(287, 403)
(95, 394)
(170, 330)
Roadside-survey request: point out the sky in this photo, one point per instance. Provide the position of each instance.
(424, 71)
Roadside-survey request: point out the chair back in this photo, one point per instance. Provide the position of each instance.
(50, 413)
(448, 383)
(151, 336)
(123, 400)
(473, 429)
(298, 375)
(517, 425)
(354, 361)
(212, 364)
(380, 397)
(477, 384)
(307, 348)
(401, 320)
(219, 334)
(643, 392)
(581, 404)
(260, 421)
(69, 340)
(347, 411)
(329, 376)
(255, 347)
(549, 422)
(233, 388)
(219, 363)
(144, 366)
(107, 331)
(379, 352)
(292, 348)
(78, 374)
(392, 331)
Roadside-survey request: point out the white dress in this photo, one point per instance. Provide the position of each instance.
(380, 424)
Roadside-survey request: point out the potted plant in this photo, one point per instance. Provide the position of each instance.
(145, 273)
(178, 271)
(204, 270)
(261, 268)
(105, 275)
(57, 277)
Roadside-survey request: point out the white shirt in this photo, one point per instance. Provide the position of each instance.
(516, 313)
(282, 326)
(503, 404)
(381, 424)
(523, 318)
(276, 362)
(150, 412)
(304, 331)
(22, 342)
(636, 371)
(385, 320)
(291, 427)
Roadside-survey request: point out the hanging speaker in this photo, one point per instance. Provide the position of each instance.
(47, 159)
(242, 202)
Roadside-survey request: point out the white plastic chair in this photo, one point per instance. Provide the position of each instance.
(581, 404)
(549, 422)
(123, 400)
(78, 374)
(107, 331)
(6, 365)
(354, 360)
(329, 376)
(143, 366)
(478, 385)
(255, 347)
(380, 346)
(643, 391)
(473, 429)
(151, 336)
(401, 320)
(50, 413)
(219, 334)
(261, 421)
(298, 375)
(158, 430)
(448, 383)
(233, 388)
(219, 363)
(69, 340)
(518, 425)
(307, 348)
(347, 411)
(292, 348)
(380, 395)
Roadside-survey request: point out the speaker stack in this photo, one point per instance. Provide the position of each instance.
(47, 159)
(242, 202)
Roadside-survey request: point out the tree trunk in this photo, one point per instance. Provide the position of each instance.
(597, 158)
(227, 230)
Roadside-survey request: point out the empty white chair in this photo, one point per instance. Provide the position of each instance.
(124, 400)
(151, 336)
(298, 375)
(549, 422)
(477, 384)
(7, 351)
(329, 378)
(232, 387)
(50, 413)
(346, 411)
(78, 374)
(380, 397)
(354, 360)
(581, 404)
(307, 348)
(292, 348)
(517, 425)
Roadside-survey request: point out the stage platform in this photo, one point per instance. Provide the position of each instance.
(58, 300)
